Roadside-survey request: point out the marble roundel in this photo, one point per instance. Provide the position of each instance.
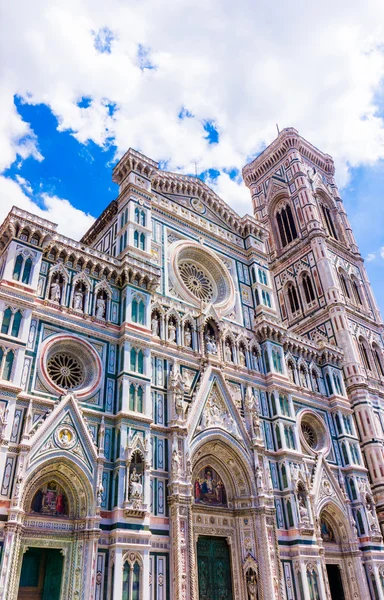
(69, 363)
(65, 437)
(199, 275)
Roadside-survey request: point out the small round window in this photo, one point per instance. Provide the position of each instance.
(313, 432)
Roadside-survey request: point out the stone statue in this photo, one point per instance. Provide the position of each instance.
(155, 324)
(188, 465)
(100, 308)
(55, 292)
(187, 337)
(228, 352)
(171, 332)
(211, 345)
(303, 511)
(295, 472)
(255, 423)
(242, 357)
(259, 479)
(78, 300)
(252, 586)
(136, 491)
(371, 518)
(175, 463)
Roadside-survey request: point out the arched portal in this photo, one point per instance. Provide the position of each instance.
(57, 535)
(225, 526)
(341, 571)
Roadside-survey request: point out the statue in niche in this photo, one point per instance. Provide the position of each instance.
(171, 332)
(136, 486)
(187, 337)
(371, 515)
(259, 479)
(155, 324)
(251, 585)
(175, 463)
(211, 345)
(100, 308)
(78, 300)
(209, 488)
(228, 352)
(303, 378)
(242, 356)
(55, 292)
(50, 500)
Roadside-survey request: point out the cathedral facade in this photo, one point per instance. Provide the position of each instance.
(192, 402)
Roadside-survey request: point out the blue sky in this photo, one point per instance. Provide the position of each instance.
(194, 85)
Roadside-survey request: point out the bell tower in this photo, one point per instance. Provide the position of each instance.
(320, 280)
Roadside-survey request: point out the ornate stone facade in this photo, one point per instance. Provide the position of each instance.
(191, 403)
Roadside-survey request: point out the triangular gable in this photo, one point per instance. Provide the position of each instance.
(199, 207)
(325, 486)
(214, 408)
(63, 433)
(275, 188)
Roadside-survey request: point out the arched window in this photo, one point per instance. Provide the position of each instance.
(134, 310)
(344, 286)
(141, 313)
(293, 299)
(278, 436)
(16, 324)
(142, 241)
(313, 585)
(133, 359)
(356, 292)
(284, 405)
(338, 423)
(137, 215)
(286, 225)
(142, 218)
(132, 393)
(360, 522)
(27, 271)
(378, 363)
(308, 288)
(6, 321)
(131, 581)
(364, 355)
(17, 268)
(139, 404)
(136, 239)
(7, 371)
(140, 362)
(336, 381)
(352, 487)
(345, 453)
(329, 384)
(273, 403)
(266, 298)
(329, 221)
(284, 476)
(290, 514)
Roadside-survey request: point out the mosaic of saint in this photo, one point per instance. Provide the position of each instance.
(326, 531)
(50, 500)
(209, 488)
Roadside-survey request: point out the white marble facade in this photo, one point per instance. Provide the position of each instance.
(191, 402)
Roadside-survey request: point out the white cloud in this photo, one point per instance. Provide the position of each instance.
(72, 222)
(244, 65)
(370, 257)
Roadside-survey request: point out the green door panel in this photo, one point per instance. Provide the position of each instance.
(53, 575)
(214, 569)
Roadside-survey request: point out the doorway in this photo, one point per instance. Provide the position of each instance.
(41, 574)
(335, 583)
(214, 569)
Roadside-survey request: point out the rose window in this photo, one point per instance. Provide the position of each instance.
(309, 435)
(65, 370)
(197, 281)
(198, 274)
(70, 363)
(313, 432)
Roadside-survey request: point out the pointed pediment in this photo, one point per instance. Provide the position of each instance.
(214, 408)
(276, 187)
(63, 433)
(325, 487)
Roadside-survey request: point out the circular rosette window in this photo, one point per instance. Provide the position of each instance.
(199, 275)
(70, 364)
(313, 433)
